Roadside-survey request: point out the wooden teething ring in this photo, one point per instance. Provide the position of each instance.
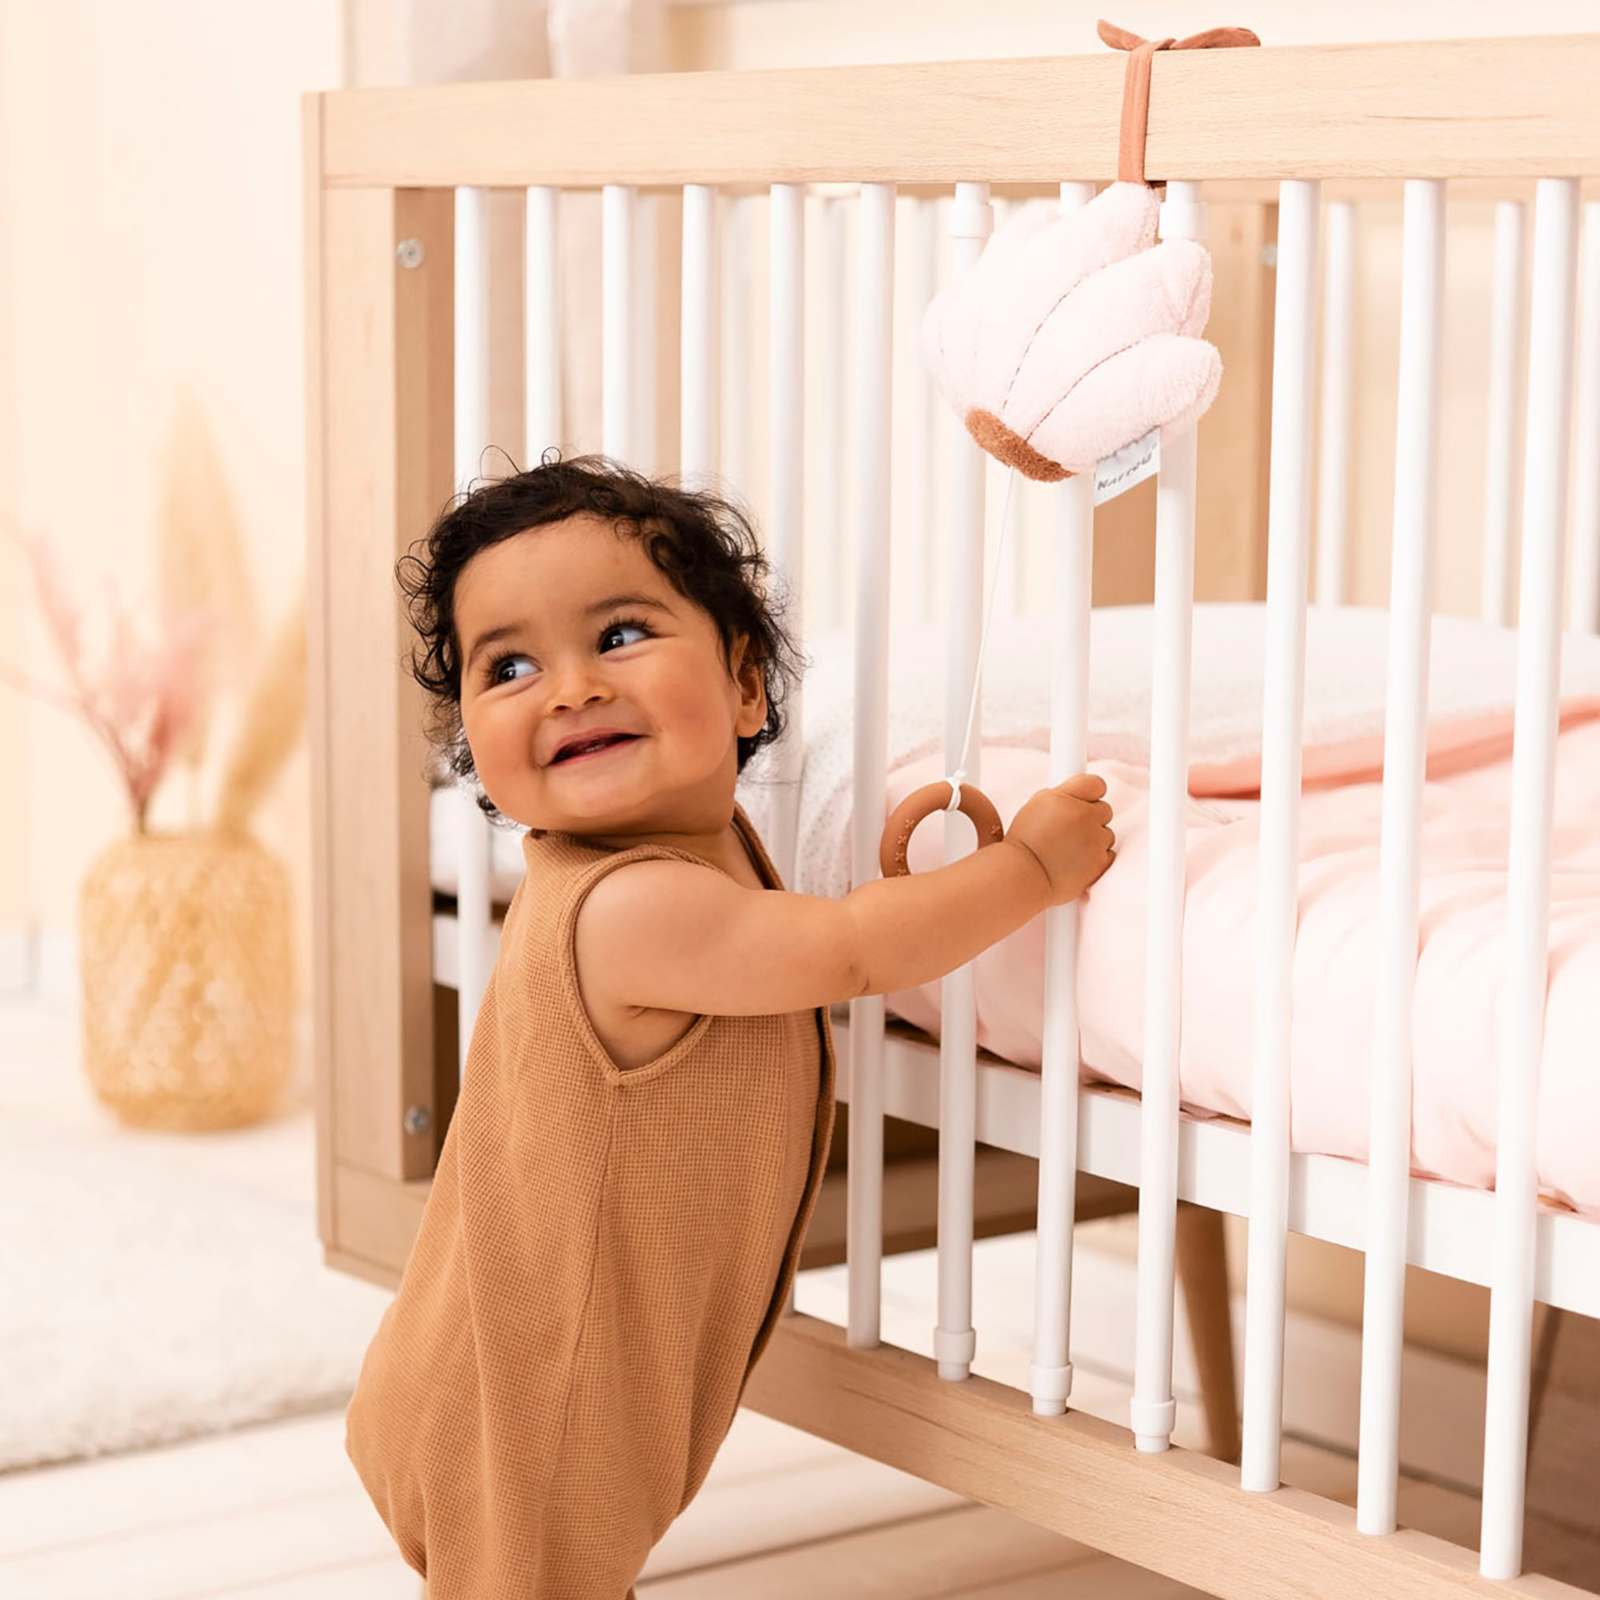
(975, 805)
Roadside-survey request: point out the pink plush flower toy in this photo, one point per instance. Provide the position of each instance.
(1074, 337)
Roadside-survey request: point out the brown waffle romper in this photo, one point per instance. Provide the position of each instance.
(602, 1258)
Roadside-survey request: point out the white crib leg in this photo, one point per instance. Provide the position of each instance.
(874, 373)
(1333, 451)
(1153, 1409)
(1050, 1373)
(1505, 1441)
(1405, 753)
(786, 517)
(1500, 473)
(697, 450)
(1277, 915)
(617, 206)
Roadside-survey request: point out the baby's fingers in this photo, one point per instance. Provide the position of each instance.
(1110, 856)
(1085, 785)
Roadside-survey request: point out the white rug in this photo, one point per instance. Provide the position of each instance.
(155, 1286)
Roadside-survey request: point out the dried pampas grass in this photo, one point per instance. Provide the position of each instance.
(135, 686)
(202, 566)
(145, 676)
(269, 728)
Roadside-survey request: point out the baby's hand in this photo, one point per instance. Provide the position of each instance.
(1064, 830)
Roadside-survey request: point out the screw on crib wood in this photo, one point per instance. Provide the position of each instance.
(923, 802)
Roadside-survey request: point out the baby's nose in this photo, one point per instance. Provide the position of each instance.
(570, 702)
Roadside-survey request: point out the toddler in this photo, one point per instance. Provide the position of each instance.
(646, 1106)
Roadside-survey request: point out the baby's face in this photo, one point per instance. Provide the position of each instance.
(549, 652)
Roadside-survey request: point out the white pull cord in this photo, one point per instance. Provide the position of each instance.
(954, 778)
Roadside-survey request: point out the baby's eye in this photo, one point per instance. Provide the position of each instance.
(498, 673)
(625, 627)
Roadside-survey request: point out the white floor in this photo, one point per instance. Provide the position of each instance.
(276, 1513)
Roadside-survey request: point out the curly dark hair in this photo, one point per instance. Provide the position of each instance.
(704, 543)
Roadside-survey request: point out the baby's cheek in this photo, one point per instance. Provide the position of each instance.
(501, 750)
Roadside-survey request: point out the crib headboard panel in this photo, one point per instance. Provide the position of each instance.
(1440, 109)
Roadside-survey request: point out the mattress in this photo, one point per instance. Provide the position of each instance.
(1465, 837)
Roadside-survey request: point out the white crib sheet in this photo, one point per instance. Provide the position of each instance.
(1455, 1027)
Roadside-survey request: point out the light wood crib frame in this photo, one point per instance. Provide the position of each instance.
(389, 413)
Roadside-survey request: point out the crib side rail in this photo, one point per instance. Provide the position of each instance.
(1440, 109)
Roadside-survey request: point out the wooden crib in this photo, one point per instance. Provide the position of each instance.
(396, 355)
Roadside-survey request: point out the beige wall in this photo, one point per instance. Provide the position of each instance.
(757, 33)
(149, 244)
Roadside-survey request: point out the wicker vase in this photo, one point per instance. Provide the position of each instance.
(187, 980)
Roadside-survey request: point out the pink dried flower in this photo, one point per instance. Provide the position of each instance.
(141, 696)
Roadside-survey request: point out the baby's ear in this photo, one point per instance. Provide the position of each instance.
(749, 673)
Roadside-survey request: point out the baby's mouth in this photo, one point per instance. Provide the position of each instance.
(594, 747)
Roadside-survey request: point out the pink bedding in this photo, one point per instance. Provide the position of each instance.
(1462, 957)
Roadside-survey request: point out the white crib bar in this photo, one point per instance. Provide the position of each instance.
(1152, 1409)
(1011, 558)
(541, 325)
(697, 363)
(1050, 1372)
(617, 203)
(920, 496)
(1400, 852)
(1011, 548)
(1500, 473)
(1584, 613)
(874, 394)
(1288, 551)
(735, 352)
(474, 952)
(971, 222)
(1528, 873)
(826, 500)
(786, 513)
(642, 369)
(1333, 450)
(471, 334)
(474, 943)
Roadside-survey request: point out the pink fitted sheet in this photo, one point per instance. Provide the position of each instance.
(1460, 968)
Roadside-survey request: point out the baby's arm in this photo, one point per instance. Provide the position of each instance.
(669, 935)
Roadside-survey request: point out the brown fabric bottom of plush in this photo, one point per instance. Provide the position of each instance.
(1011, 449)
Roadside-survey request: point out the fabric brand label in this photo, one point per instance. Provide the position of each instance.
(1132, 464)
